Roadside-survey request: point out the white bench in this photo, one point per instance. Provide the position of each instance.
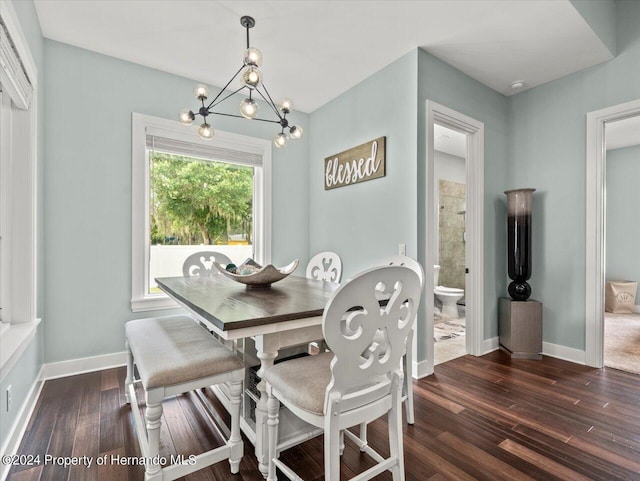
(175, 355)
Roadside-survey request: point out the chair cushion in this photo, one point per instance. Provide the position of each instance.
(303, 381)
(176, 349)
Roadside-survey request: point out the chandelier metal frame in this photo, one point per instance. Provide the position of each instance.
(252, 81)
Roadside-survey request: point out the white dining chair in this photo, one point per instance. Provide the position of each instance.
(359, 380)
(407, 359)
(201, 263)
(325, 266)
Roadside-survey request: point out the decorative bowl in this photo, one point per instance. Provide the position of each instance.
(263, 276)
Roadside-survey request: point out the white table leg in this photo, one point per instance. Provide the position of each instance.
(267, 347)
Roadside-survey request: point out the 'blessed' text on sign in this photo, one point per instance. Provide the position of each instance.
(359, 164)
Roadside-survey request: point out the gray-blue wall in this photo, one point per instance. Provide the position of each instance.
(447, 86)
(623, 215)
(601, 17)
(24, 373)
(89, 101)
(364, 222)
(547, 151)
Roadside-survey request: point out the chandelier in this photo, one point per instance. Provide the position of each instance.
(251, 79)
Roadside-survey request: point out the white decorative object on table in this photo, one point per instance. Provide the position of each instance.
(257, 275)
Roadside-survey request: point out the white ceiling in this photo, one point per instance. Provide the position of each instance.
(623, 133)
(449, 141)
(316, 50)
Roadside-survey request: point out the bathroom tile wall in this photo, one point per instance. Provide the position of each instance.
(452, 202)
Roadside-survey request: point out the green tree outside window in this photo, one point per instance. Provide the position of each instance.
(197, 201)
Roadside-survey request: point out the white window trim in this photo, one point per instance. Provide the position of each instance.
(22, 216)
(140, 299)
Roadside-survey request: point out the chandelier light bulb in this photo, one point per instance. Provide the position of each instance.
(249, 108)
(296, 132)
(251, 77)
(201, 92)
(253, 57)
(206, 131)
(280, 140)
(286, 106)
(187, 117)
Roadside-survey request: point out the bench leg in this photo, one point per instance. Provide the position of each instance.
(129, 379)
(273, 412)
(235, 439)
(153, 415)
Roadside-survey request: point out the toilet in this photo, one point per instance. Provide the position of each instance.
(448, 296)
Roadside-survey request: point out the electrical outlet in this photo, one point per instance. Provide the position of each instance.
(9, 398)
(402, 249)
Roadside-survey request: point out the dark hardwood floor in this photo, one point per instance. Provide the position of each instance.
(487, 418)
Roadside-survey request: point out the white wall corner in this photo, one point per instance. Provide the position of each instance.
(14, 437)
(490, 345)
(86, 364)
(636, 308)
(562, 352)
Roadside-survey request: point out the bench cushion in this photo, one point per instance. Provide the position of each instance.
(176, 349)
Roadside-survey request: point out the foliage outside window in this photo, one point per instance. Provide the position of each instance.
(197, 201)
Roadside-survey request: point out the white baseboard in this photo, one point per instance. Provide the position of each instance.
(490, 345)
(420, 370)
(563, 352)
(20, 425)
(86, 364)
(548, 349)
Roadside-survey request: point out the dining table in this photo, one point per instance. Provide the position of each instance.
(287, 313)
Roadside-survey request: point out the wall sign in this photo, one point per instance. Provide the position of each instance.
(358, 164)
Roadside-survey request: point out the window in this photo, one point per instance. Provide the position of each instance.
(18, 195)
(190, 195)
(5, 212)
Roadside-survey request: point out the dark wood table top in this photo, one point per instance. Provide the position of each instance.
(230, 305)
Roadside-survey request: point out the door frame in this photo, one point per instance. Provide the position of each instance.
(595, 226)
(474, 226)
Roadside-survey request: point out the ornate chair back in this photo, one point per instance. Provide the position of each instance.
(363, 370)
(325, 266)
(405, 261)
(201, 263)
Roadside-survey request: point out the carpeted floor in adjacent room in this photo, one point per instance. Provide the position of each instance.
(622, 341)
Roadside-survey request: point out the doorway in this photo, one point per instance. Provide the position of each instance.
(473, 232)
(449, 278)
(622, 230)
(595, 261)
